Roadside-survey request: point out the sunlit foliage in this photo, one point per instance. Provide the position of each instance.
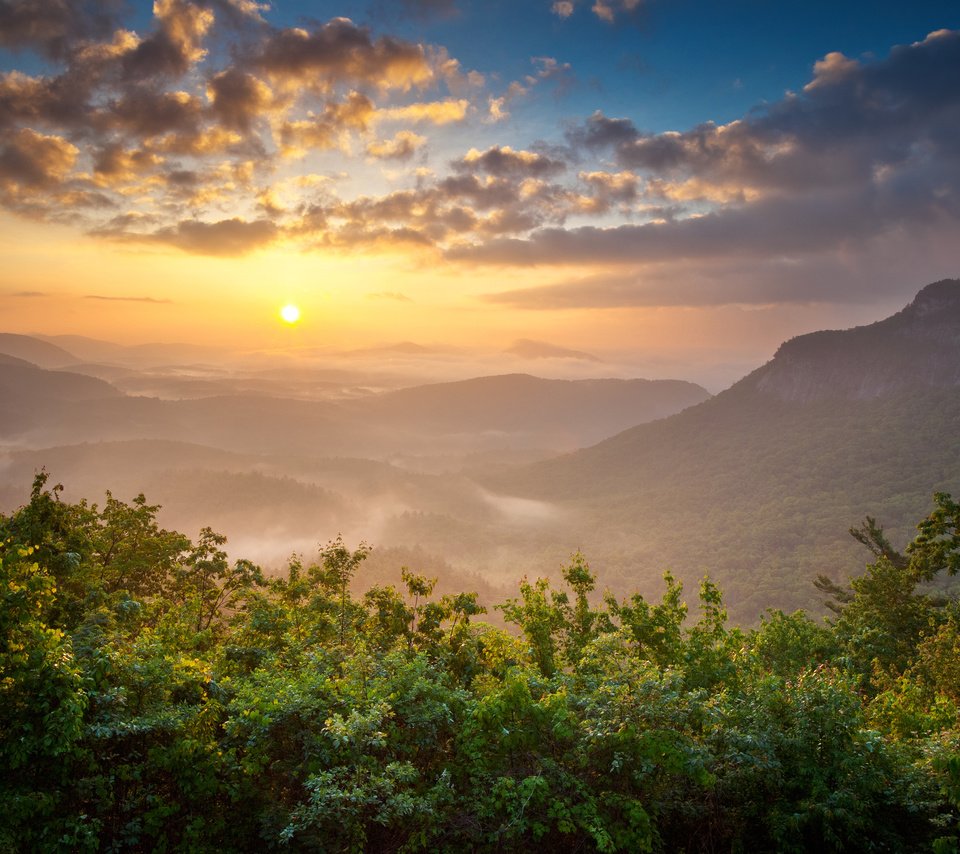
(155, 695)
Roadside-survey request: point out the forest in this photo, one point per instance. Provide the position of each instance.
(157, 696)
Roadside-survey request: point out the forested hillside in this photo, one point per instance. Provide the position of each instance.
(759, 484)
(157, 696)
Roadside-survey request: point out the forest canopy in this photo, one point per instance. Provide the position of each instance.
(156, 695)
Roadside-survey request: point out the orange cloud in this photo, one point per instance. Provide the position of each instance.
(340, 50)
(403, 146)
(432, 112)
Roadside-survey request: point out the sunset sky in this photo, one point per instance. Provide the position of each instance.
(672, 186)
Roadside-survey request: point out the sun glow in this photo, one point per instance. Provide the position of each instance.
(290, 313)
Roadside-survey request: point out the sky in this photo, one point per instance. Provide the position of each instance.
(626, 187)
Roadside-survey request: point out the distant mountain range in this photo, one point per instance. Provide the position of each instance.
(279, 475)
(44, 407)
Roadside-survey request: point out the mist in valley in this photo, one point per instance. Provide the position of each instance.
(283, 452)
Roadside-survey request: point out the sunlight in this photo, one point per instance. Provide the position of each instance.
(290, 313)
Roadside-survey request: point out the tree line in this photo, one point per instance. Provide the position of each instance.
(155, 695)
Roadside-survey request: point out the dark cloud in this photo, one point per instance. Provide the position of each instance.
(340, 50)
(774, 226)
(144, 112)
(505, 162)
(175, 45)
(866, 150)
(229, 237)
(32, 160)
(852, 122)
(826, 277)
(238, 99)
(50, 102)
(53, 26)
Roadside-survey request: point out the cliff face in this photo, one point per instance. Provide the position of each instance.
(918, 346)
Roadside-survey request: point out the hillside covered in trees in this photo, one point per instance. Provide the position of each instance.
(156, 696)
(759, 484)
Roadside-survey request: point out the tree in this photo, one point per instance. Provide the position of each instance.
(937, 545)
(338, 565)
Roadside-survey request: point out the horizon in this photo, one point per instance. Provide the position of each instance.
(603, 194)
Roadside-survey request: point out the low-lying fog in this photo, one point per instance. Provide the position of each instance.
(281, 452)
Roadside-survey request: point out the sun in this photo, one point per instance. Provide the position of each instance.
(290, 313)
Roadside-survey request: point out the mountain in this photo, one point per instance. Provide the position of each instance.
(135, 355)
(759, 485)
(34, 350)
(502, 413)
(563, 414)
(919, 346)
(32, 396)
(528, 349)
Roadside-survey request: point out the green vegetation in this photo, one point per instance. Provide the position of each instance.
(755, 491)
(156, 696)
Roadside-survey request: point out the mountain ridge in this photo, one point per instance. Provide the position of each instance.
(758, 485)
(923, 338)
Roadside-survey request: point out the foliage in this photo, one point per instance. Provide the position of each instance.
(155, 695)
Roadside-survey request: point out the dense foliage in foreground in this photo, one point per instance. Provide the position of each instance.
(154, 696)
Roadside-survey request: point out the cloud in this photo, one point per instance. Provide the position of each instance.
(852, 121)
(53, 26)
(187, 132)
(403, 146)
(433, 112)
(145, 113)
(175, 45)
(328, 129)
(607, 189)
(171, 133)
(340, 50)
(238, 99)
(605, 10)
(831, 69)
(32, 160)
(228, 237)
(504, 162)
(868, 151)
(115, 165)
(773, 226)
(57, 102)
(152, 300)
(825, 278)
